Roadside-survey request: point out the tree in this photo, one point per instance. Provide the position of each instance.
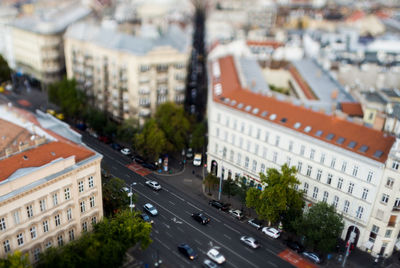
(127, 130)
(240, 190)
(279, 195)
(151, 141)
(198, 136)
(16, 260)
(321, 226)
(5, 71)
(96, 119)
(114, 198)
(173, 121)
(229, 187)
(210, 181)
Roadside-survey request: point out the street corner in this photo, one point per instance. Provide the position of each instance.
(296, 259)
(138, 169)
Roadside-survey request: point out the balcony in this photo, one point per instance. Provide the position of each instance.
(144, 112)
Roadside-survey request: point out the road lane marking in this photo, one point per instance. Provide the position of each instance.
(232, 264)
(168, 234)
(270, 251)
(180, 229)
(156, 231)
(187, 212)
(198, 242)
(162, 216)
(213, 218)
(162, 243)
(190, 204)
(177, 196)
(172, 203)
(227, 226)
(166, 190)
(249, 250)
(273, 264)
(180, 257)
(227, 236)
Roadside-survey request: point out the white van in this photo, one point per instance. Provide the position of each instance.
(197, 160)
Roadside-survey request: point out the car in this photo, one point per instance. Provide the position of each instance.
(250, 241)
(116, 146)
(271, 232)
(146, 218)
(295, 246)
(153, 185)
(138, 159)
(189, 153)
(197, 160)
(149, 166)
(125, 189)
(186, 250)
(104, 139)
(60, 116)
(51, 111)
(126, 151)
(312, 256)
(200, 217)
(256, 223)
(150, 209)
(216, 256)
(219, 205)
(209, 264)
(236, 213)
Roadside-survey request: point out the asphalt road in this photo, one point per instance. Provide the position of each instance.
(174, 224)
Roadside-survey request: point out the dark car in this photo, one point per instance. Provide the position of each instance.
(295, 246)
(200, 217)
(149, 166)
(138, 159)
(186, 250)
(146, 218)
(116, 146)
(105, 139)
(219, 205)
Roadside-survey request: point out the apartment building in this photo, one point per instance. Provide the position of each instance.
(128, 76)
(351, 166)
(50, 183)
(37, 40)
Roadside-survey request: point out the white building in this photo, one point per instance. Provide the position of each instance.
(338, 161)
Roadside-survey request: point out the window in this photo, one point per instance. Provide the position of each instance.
(36, 253)
(288, 161)
(218, 118)
(302, 149)
(322, 160)
(359, 212)
(315, 193)
(250, 130)
(266, 137)
(258, 134)
(364, 194)
(55, 199)
(16, 217)
(305, 187)
(29, 211)
(94, 220)
(385, 198)
(233, 137)
(277, 141)
(227, 121)
(83, 209)
(6, 245)
(33, 232)
(256, 149)
(216, 148)
(335, 201)
(274, 157)
(351, 187)
(388, 233)
(2, 224)
(312, 153)
(84, 226)
(242, 127)
(262, 169)
(319, 174)
(80, 186)
(67, 194)
(248, 146)
(20, 239)
(48, 245)
(239, 158)
(254, 168)
(71, 235)
(290, 146)
(375, 229)
(389, 182)
(355, 170)
(240, 142)
(395, 165)
(397, 203)
(60, 240)
(92, 201)
(333, 162)
(346, 206)
(309, 170)
(392, 220)
(42, 205)
(57, 220)
(264, 152)
(45, 226)
(344, 165)
(340, 183)
(299, 166)
(69, 214)
(325, 198)
(217, 132)
(225, 135)
(370, 175)
(329, 179)
(231, 155)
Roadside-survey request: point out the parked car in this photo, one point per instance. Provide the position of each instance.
(209, 264)
(116, 146)
(295, 246)
(126, 151)
(189, 153)
(146, 218)
(271, 232)
(312, 256)
(125, 189)
(250, 241)
(104, 139)
(138, 159)
(149, 166)
(187, 251)
(256, 223)
(153, 185)
(150, 209)
(236, 213)
(216, 256)
(197, 160)
(200, 217)
(219, 205)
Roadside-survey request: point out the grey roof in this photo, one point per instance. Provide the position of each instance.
(320, 81)
(396, 111)
(392, 93)
(174, 37)
(254, 79)
(374, 97)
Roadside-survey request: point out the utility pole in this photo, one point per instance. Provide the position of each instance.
(130, 194)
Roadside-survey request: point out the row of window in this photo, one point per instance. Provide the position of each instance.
(161, 67)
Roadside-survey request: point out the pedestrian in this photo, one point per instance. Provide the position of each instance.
(193, 171)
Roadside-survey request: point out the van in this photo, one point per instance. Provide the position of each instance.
(197, 160)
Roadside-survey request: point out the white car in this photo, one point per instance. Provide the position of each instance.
(197, 160)
(126, 151)
(150, 209)
(126, 189)
(271, 232)
(250, 241)
(216, 256)
(236, 213)
(153, 185)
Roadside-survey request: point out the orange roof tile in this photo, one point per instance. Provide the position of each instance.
(290, 116)
(269, 43)
(352, 108)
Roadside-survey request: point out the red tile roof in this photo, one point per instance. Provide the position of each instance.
(290, 116)
(269, 43)
(352, 108)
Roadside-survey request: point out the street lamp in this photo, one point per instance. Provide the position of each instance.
(130, 194)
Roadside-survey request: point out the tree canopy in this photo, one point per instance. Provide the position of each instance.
(5, 71)
(210, 181)
(151, 141)
(114, 198)
(16, 260)
(321, 226)
(198, 136)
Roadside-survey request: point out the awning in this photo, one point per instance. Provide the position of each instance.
(369, 244)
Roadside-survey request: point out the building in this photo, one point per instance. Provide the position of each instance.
(338, 161)
(128, 76)
(37, 40)
(50, 183)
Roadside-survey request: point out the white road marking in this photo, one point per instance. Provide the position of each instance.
(213, 218)
(180, 257)
(273, 264)
(162, 243)
(267, 249)
(198, 242)
(177, 196)
(233, 264)
(180, 229)
(227, 236)
(141, 183)
(166, 190)
(162, 216)
(249, 250)
(171, 203)
(193, 206)
(168, 234)
(227, 226)
(156, 231)
(187, 212)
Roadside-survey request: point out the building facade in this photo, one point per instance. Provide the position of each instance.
(338, 162)
(50, 186)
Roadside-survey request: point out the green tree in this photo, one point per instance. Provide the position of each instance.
(96, 119)
(151, 141)
(114, 198)
(173, 121)
(5, 71)
(210, 181)
(321, 226)
(240, 191)
(229, 187)
(16, 260)
(198, 136)
(278, 196)
(127, 130)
